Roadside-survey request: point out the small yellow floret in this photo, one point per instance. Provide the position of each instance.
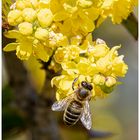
(29, 14)
(110, 81)
(45, 17)
(15, 17)
(20, 4)
(99, 79)
(42, 34)
(25, 28)
(59, 55)
(100, 50)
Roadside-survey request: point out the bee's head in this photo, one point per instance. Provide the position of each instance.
(86, 85)
(85, 89)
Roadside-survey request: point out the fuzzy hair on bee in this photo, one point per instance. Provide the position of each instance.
(76, 106)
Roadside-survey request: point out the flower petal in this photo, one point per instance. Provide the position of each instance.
(10, 47)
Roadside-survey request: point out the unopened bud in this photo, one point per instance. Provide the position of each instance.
(15, 17)
(110, 81)
(45, 17)
(42, 34)
(99, 79)
(29, 14)
(25, 28)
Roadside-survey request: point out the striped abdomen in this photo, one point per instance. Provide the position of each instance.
(72, 113)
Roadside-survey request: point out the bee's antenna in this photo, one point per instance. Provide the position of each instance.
(74, 81)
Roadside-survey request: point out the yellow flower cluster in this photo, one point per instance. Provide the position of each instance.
(118, 9)
(94, 62)
(60, 29)
(48, 24)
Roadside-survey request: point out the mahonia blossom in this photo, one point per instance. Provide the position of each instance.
(95, 63)
(60, 30)
(43, 25)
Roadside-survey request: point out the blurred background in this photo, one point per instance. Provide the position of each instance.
(117, 114)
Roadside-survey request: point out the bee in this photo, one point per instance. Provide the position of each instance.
(76, 106)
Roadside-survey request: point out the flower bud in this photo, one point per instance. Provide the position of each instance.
(110, 81)
(99, 79)
(45, 17)
(25, 28)
(15, 17)
(42, 34)
(27, 3)
(44, 3)
(20, 4)
(85, 3)
(34, 3)
(29, 14)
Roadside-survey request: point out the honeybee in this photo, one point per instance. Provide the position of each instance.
(76, 106)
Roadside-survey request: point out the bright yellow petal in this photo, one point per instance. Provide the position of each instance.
(41, 53)
(13, 34)
(10, 47)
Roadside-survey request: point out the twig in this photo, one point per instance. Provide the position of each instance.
(131, 24)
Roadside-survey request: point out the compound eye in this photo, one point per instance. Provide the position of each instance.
(84, 84)
(89, 86)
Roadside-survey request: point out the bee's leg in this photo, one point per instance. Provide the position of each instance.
(74, 81)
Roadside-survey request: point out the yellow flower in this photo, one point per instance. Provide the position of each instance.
(99, 50)
(85, 68)
(119, 68)
(20, 5)
(34, 3)
(99, 79)
(61, 15)
(70, 67)
(64, 85)
(15, 17)
(110, 81)
(29, 14)
(73, 51)
(42, 34)
(104, 64)
(70, 6)
(86, 23)
(59, 55)
(76, 40)
(60, 31)
(45, 17)
(117, 9)
(41, 52)
(24, 49)
(25, 28)
(23, 46)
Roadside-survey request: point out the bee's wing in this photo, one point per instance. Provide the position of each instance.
(61, 105)
(86, 116)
